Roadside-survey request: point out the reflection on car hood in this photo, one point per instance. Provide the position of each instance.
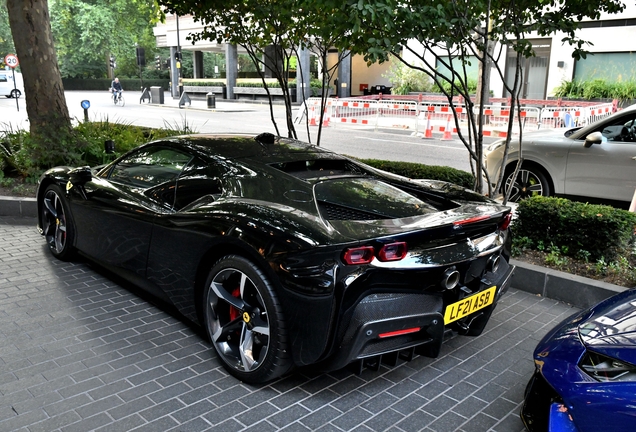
(611, 328)
(546, 133)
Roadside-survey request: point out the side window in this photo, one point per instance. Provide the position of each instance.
(3, 78)
(150, 167)
(622, 129)
(199, 179)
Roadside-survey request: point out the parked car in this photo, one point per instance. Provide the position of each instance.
(7, 87)
(285, 253)
(595, 163)
(585, 378)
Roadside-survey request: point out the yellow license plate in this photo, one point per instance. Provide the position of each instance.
(468, 305)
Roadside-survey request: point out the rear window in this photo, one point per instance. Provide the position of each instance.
(367, 199)
(313, 169)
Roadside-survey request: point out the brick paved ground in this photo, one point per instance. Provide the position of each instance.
(79, 353)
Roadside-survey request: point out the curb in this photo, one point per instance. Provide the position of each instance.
(18, 206)
(575, 290)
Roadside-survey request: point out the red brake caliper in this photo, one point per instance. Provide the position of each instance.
(234, 312)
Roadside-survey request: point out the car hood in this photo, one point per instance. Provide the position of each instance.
(610, 328)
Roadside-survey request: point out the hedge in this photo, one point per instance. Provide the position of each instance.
(419, 171)
(104, 84)
(578, 229)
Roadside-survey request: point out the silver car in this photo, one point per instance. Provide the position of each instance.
(595, 163)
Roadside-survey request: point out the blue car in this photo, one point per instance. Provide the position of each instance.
(585, 377)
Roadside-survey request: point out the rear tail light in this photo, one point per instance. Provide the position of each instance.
(392, 252)
(365, 254)
(359, 255)
(505, 222)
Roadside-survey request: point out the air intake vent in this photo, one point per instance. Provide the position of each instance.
(336, 212)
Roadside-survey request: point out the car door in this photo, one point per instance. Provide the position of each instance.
(114, 223)
(606, 170)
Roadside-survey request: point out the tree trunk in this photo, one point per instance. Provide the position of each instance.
(44, 92)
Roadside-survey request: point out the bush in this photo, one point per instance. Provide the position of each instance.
(577, 229)
(596, 89)
(420, 171)
(104, 84)
(405, 79)
(21, 156)
(203, 83)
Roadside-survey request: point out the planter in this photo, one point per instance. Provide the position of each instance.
(259, 93)
(220, 91)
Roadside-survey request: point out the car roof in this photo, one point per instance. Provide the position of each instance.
(265, 148)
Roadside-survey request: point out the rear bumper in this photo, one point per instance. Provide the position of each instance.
(391, 322)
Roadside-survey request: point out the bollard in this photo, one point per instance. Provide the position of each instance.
(211, 100)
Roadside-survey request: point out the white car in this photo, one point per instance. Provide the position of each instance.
(595, 163)
(7, 87)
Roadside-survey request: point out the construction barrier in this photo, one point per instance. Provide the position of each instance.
(496, 118)
(426, 117)
(558, 117)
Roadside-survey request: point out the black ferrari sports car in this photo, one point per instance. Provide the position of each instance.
(285, 253)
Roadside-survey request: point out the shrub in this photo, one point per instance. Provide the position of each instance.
(21, 156)
(420, 171)
(406, 79)
(596, 231)
(596, 89)
(203, 83)
(103, 84)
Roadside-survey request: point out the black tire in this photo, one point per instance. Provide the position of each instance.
(530, 181)
(16, 93)
(244, 321)
(57, 225)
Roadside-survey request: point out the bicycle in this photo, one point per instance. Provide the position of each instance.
(118, 99)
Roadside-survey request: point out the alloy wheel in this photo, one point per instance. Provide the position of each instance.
(238, 325)
(54, 222)
(527, 184)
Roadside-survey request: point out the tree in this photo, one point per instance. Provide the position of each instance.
(6, 40)
(50, 124)
(87, 33)
(271, 33)
(453, 34)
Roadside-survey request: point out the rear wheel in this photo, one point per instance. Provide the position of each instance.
(244, 321)
(16, 93)
(530, 181)
(56, 223)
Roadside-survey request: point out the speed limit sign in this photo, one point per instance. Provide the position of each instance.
(11, 60)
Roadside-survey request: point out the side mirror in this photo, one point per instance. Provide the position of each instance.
(109, 146)
(594, 138)
(81, 175)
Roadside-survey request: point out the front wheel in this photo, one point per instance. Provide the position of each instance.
(244, 321)
(530, 181)
(56, 223)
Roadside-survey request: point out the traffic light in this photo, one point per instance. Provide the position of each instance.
(177, 56)
(141, 56)
(112, 62)
(158, 62)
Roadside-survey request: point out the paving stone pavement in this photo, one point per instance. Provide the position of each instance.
(80, 352)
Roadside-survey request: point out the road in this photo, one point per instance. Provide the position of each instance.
(234, 117)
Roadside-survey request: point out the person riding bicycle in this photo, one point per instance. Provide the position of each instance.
(116, 88)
